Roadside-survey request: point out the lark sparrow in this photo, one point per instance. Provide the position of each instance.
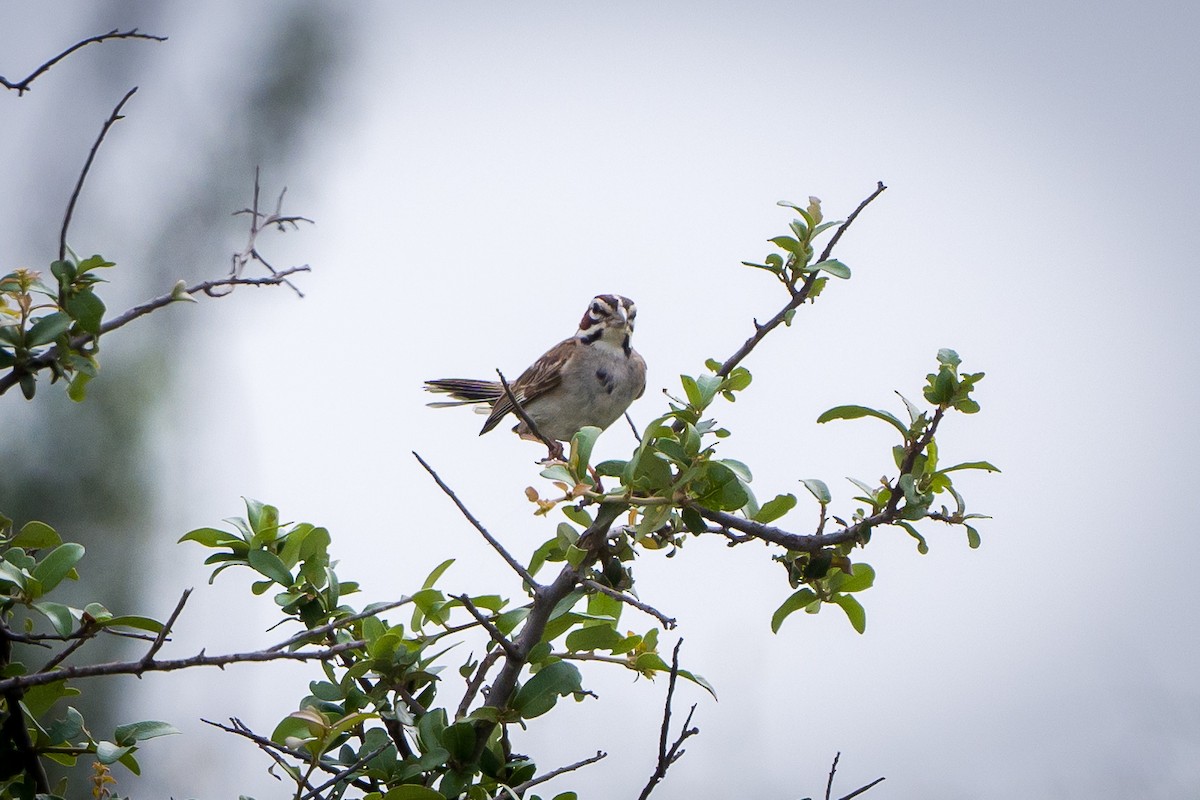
(589, 379)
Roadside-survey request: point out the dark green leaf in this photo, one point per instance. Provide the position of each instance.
(209, 537)
(798, 600)
(973, 465)
(87, 309)
(47, 329)
(973, 540)
(57, 564)
(818, 489)
(542, 691)
(141, 731)
(109, 753)
(267, 563)
(834, 267)
(59, 615)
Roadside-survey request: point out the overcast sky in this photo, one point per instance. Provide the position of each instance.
(486, 168)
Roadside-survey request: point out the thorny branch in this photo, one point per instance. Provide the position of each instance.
(669, 755)
(520, 788)
(22, 86)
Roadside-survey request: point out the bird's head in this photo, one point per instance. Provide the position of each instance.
(609, 318)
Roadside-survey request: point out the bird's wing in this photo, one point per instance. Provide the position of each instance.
(541, 377)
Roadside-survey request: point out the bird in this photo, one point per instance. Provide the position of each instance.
(588, 379)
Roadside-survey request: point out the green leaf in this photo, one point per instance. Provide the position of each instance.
(855, 412)
(209, 537)
(437, 573)
(542, 691)
(87, 309)
(140, 623)
(581, 448)
(922, 545)
(109, 753)
(973, 540)
(60, 616)
(773, 509)
(77, 389)
(834, 267)
(593, 637)
(141, 731)
(854, 611)
(798, 600)
(787, 243)
(411, 791)
(48, 328)
(818, 489)
(57, 564)
(948, 357)
(36, 535)
(719, 488)
(267, 563)
(862, 577)
(973, 465)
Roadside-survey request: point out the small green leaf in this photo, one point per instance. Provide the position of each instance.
(973, 540)
(412, 791)
(798, 600)
(862, 577)
(787, 243)
(581, 448)
(772, 509)
(141, 731)
(109, 753)
(267, 563)
(129, 621)
(854, 611)
(834, 267)
(87, 309)
(60, 616)
(818, 489)
(438, 571)
(855, 412)
(922, 545)
(542, 691)
(36, 535)
(973, 465)
(209, 537)
(47, 329)
(57, 564)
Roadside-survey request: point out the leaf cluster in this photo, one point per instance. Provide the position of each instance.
(60, 322)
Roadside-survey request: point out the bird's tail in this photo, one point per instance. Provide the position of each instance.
(464, 391)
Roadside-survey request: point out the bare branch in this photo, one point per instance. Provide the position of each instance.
(798, 295)
(87, 165)
(555, 448)
(22, 86)
(347, 772)
(161, 639)
(142, 666)
(274, 750)
(520, 788)
(258, 221)
(494, 632)
(485, 665)
(668, 622)
(669, 755)
(499, 548)
(832, 772)
(861, 789)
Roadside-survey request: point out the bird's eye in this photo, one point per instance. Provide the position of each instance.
(595, 308)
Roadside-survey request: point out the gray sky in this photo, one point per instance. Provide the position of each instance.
(488, 168)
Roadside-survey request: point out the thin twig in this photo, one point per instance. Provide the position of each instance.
(798, 295)
(161, 639)
(66, 652)
(87, 165)
(170, 665)
(499, 548)
(274, 750)
(669, 755)
(832, 772)
(633, 428)
(22, 86)
(371, 611)
(861, 789)
(497, 637)
(485, 665)
(345, 773)
(555, 448)
(258, 221)
(529, 784)
(668, 622)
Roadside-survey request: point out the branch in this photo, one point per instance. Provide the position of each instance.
(668, 756)
(370, 611)
(861, 789)
(273, 749)
(22, 86)
(668, 622)
(345, 773)
(555, 448)
(494, 632)
(499, 548)
(258, 221)
(798, 295)
(47, 358)
(520, 788)
(87, 165)
(485, 666)
(13, 727)
(832, 772)
(170, 665)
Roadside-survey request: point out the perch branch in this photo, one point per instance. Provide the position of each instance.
(555, 448)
